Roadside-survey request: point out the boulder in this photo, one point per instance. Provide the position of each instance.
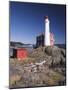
(52, 51)
(63, 52)
(56, 55)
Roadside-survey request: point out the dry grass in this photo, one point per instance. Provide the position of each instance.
(14, 79)
(54, 78)
(46, 77)
(57, 77)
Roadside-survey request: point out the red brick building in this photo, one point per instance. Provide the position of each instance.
(52, 40)
(19, 53)
(22, 53)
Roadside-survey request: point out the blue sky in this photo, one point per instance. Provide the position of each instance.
(27, 21)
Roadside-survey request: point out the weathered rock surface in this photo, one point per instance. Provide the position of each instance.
(45, 66)
(57, 54)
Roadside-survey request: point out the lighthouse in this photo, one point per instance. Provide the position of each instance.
(47, 32)
(46, 38)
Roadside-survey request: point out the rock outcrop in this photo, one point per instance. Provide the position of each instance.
(45, 66)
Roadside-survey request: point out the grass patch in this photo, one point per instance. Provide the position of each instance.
(14, 79)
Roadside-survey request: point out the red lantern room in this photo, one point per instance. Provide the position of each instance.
(21, 53)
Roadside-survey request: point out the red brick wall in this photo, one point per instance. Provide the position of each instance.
(52, 39)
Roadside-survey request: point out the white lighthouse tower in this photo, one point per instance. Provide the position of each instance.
(47, 32)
